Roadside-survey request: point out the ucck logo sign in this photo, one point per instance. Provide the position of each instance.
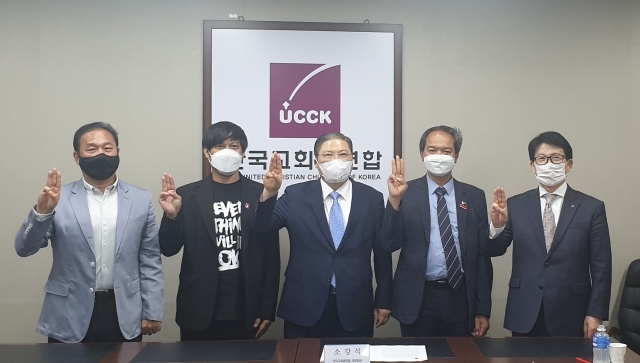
(305, 100)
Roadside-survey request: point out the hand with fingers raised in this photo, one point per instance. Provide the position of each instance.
(273, 178)
(50, 195)
(169, 200)
(397, 185)
(499, 215)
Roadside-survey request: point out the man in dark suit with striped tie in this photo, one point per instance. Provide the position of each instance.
(442, 285)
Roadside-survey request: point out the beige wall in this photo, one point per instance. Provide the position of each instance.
(502, 71)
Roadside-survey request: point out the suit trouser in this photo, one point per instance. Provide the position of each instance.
(539, 328)
(444, 312)
(329, 325)
(104, 326)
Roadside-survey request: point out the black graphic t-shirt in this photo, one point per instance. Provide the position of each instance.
(227, 207)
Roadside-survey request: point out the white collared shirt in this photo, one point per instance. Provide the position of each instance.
(346, 195)
(556, 207)
(103, 210)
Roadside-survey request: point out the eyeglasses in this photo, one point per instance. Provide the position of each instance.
(542, 160)
(341, 156)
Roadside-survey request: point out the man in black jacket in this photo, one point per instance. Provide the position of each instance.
(229, 277)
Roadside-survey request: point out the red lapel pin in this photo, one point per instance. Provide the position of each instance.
(247, 205)
(463, 205)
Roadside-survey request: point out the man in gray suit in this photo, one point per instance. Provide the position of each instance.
(106, 283)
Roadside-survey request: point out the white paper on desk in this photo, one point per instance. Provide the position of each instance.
(394, 353)
(398, 353)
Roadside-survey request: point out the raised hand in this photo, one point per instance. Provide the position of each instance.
(499, 213)
(169, 200)
(50, 195)
(397, 185)
(273, 178)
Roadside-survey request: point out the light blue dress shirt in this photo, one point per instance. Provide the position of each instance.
(436, 262)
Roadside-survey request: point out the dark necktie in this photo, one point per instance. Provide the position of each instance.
(454, 270)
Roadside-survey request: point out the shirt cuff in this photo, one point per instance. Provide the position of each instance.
(494, 232)
(42, 217)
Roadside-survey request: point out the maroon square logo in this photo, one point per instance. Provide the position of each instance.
(305, 100)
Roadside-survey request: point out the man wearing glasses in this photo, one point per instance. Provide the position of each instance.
(334, 225)
(561, 271)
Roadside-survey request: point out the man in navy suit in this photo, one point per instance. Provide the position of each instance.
(561, 271)
(334, 224)
(442, 285)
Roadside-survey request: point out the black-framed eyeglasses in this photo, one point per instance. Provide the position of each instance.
(555, 159)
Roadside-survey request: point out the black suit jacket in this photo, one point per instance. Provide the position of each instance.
(573, 280)
(314, 259)
(193, 229)
(409, 229)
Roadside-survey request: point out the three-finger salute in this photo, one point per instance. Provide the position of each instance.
(273, 178)
(169, 200)
(397, 185)
(499, 213)
(50, 195)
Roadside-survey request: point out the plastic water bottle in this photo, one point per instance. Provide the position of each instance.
(601, 346)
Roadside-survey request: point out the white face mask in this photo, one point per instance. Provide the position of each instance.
(551, 174)
(226, 161)
(439, 165)
(336, 170)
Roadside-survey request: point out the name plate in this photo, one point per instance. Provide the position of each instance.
(346, 353)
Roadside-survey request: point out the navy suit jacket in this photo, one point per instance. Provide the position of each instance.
(573, 280)
(313, 258)
(409, 229)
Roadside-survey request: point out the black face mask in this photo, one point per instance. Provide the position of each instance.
(100, 167)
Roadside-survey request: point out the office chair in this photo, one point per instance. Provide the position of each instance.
(629, 313)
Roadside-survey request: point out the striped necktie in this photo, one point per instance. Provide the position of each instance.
(454, 270)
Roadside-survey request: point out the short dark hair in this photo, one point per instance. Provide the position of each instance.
(453, 131)
(550, 138)
(217, 133)
(91, 127)
(330, 136)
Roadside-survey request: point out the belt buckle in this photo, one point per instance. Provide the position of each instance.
(101, 295)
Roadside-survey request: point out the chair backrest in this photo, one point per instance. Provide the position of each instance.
(629, 313)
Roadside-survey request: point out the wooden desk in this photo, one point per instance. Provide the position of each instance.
(439, 350)
(284, 352)
(499, 350)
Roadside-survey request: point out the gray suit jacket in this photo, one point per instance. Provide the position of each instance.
(138, 277)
